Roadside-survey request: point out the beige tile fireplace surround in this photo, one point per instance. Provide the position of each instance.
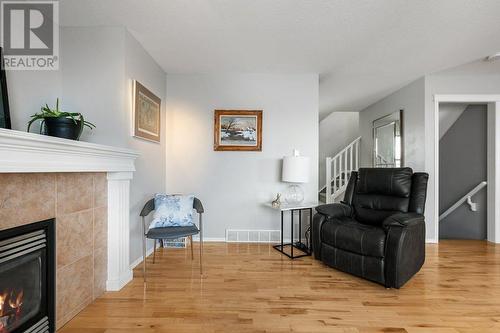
(78, 201)
(86, 188)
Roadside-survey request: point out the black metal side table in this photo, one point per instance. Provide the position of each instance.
(300, 246)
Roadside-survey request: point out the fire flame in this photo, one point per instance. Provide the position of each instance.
(2, 301)
(17, 302)
(11, 302)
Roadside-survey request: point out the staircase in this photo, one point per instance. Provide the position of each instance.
(338, 171)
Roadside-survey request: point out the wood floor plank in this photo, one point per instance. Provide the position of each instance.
(253, 288)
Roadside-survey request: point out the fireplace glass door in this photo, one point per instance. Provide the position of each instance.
(21, 294)
(26, 280)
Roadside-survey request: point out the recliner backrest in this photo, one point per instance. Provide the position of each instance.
(377, 193)
(418, 192)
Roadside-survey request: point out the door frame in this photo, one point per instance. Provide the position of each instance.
(493, 157)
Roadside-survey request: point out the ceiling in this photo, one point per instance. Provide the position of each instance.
(362, 49)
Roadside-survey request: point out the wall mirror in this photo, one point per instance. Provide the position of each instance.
(388, 141)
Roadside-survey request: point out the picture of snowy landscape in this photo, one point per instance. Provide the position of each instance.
(238, 130)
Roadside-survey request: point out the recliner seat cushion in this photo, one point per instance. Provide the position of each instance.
(349, 235)
(370, 268)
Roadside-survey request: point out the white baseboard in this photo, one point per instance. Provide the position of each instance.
(136, 262)
(209, 239)
(115, 285)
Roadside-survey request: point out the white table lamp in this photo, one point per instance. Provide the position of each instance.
(295, 171)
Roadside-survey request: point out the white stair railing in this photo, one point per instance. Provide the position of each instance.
(339, 169)
(466, 198)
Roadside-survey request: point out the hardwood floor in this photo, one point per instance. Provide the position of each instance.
(252, 288)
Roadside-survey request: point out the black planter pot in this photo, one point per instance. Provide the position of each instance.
(63, 128)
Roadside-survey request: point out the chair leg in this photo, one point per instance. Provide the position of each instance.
(201, 254)
(191, 246)
(154, 252)
(144, 257)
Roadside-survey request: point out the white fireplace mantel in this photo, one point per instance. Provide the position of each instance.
(29, 152)
(22, 152)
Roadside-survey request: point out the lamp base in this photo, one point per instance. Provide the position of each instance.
(294, 194)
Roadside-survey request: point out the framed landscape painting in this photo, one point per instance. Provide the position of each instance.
(237, 130)
(147, 115)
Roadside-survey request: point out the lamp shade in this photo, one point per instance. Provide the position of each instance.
(295, 169)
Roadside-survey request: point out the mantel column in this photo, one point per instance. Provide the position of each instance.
(119, 272)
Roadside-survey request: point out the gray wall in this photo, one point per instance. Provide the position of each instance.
(462, 165)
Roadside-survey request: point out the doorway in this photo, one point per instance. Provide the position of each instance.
(493, 160)
(462, 171)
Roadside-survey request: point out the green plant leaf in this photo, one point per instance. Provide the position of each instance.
(47, 112)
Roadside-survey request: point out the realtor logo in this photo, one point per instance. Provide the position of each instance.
(30, 35)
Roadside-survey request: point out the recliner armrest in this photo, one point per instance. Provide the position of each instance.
(335, 210)
(403, 220)
(404, 247)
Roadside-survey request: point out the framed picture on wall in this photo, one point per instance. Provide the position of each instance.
(238, 130)
(147, 113)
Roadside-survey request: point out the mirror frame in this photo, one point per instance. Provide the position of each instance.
(381, 123)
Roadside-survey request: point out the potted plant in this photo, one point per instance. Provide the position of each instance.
(68, 125)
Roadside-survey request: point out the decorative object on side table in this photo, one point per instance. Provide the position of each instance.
(61, 124)
(4, 103)
(147, 115)
(295, 170)
(276, 203)
(237, 130)
(305, 249)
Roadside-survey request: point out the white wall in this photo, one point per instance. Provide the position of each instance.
(493, 163)
(97, 66)
(411, 99)
(150, 176)
(336, 131)
(92, 70)
(28, 91)
(233, 186)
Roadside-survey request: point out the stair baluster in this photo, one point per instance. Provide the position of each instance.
(342, 165)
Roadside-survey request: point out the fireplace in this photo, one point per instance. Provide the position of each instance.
(27, 278)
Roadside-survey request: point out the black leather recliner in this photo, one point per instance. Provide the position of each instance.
(378, 231)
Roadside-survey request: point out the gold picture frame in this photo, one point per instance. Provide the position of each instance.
(238, 130)
(147, 113)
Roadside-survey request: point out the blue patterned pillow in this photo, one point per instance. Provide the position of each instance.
(172, 211)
